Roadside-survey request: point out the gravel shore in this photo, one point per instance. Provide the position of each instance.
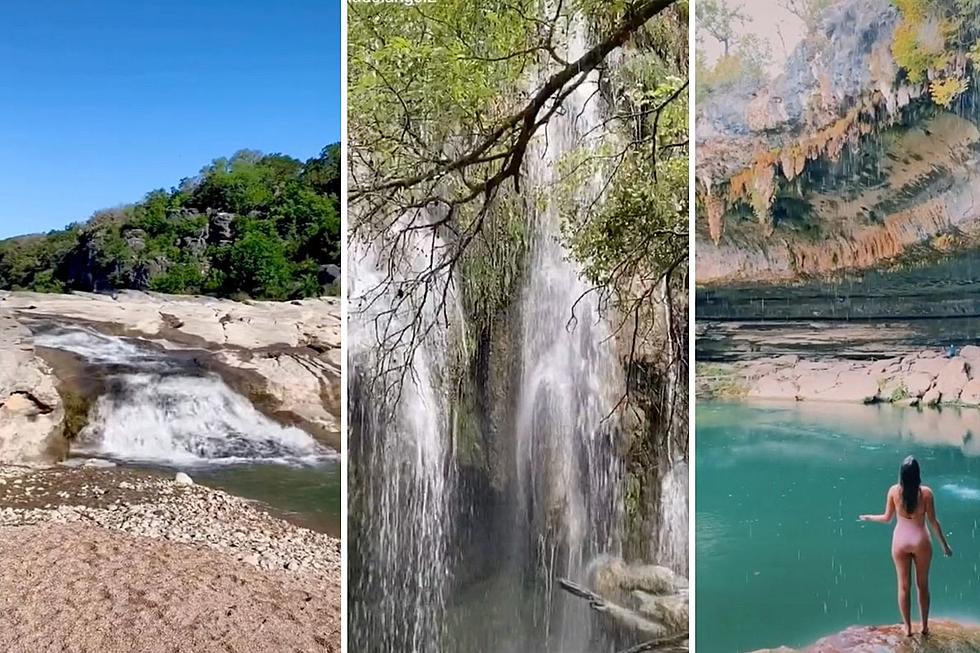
(97, 558)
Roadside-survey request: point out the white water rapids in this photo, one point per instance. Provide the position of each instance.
(160, 409)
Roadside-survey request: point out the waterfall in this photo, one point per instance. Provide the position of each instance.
(568, 469)
(157, 408)
(670, 546)
(442, 560)
(400, 453)
(93, 346)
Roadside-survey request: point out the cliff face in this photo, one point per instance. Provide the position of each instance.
(846, 160)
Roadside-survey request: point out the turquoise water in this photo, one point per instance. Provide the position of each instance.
(781, 557)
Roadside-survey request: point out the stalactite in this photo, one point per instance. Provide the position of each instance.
(715, 208)
(761, 194)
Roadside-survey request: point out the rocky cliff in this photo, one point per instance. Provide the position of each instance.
(856, 154)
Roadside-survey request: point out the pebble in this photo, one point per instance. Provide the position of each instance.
(200, 516)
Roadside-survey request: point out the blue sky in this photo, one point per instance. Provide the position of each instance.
(103, 101)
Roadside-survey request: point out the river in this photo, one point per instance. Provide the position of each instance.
(162, 411)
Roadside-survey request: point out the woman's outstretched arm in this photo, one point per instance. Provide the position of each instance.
(934, 522)
(886, 516)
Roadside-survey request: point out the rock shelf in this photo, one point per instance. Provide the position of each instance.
(924, 378)
(944, 636)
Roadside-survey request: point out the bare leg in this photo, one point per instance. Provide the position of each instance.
(922, 559)
(903, 569)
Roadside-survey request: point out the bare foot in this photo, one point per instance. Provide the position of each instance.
(925, 631)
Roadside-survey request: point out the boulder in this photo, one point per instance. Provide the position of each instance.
(183, 479)
(971, 393)
(971, 353)
(905, 385)
(329, 274)
(135, 239)
(31, 411)
(952, 378)
(932, 398)
(649, 600)
(219, 227)
(917, 383)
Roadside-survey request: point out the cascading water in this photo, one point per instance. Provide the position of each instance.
(455, 551)
(400, 452)
(567, 467)
(670, 546)
(160, 409)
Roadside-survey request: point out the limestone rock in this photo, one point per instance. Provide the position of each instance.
(219, 227)
(971, 393)
(928, 365)
(917, 383)
(31, 411)
(886, 367)
(971, 353)
(839, 382)
(952, 378)
(183, 479)
(773, 387)
(305, 385)
(855, 386)
(817, 384)
(944, 636)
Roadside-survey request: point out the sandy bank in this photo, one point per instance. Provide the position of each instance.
(84, 588)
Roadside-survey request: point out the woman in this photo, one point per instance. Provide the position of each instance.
(911, 544)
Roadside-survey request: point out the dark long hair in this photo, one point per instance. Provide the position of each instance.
(910, 480)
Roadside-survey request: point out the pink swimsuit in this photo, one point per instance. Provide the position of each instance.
(910, 536)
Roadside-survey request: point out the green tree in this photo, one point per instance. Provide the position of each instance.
(257, 264)
(285, 226)
(443, 114)
(722, 20)
(322, 173)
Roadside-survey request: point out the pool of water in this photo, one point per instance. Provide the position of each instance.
(781, 557)
(161, 411)
(308, 496)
